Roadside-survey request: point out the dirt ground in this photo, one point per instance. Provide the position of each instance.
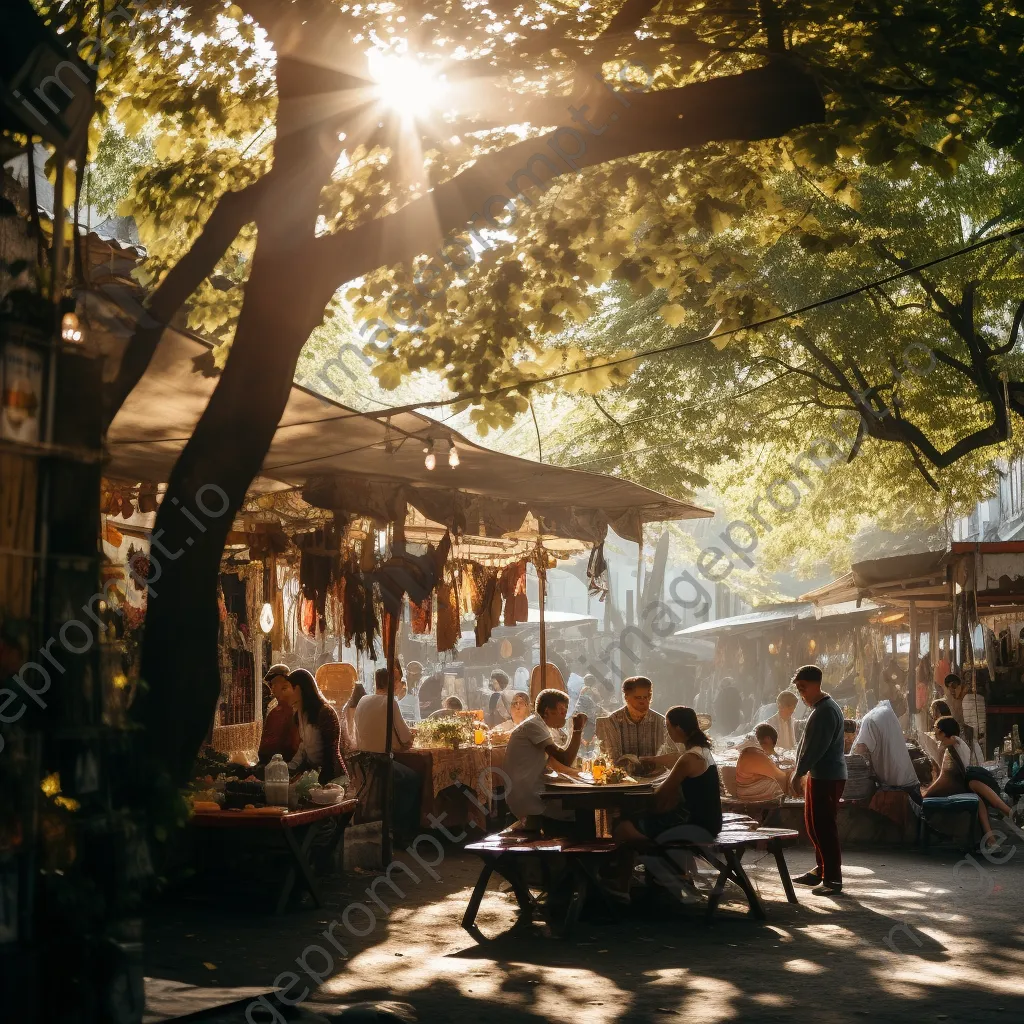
(913, 938)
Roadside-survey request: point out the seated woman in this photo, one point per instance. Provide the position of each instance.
(690, 795)
(758, 777)
(452, 706)
(519, 708)
(953, 775)
(319, 729)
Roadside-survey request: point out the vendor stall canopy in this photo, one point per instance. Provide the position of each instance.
(369, 465)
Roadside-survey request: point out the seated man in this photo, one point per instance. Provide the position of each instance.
(280, 730)
(634, 728)
(452, 706)
(371, 725)
(532, 751)
(782, 721)
(881, 741)
(758, 777)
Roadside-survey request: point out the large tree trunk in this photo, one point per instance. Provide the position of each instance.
(205, 491)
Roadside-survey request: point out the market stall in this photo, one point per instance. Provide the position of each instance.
(373, 531)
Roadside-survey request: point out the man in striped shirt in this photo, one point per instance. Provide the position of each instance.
(634, 728)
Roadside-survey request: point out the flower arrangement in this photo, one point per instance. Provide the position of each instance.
(445, 732)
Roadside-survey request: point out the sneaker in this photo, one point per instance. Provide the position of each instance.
(827, 889)
(808, 878)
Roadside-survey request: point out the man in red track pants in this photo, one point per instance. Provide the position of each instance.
(820, 762)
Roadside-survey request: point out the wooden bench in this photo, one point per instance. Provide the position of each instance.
(725, 852)
(503, 851)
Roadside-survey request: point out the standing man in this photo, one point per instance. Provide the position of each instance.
(633, 729)
(821, 762)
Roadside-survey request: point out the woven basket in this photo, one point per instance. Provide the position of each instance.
(239, 742)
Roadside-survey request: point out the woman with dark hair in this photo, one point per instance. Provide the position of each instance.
(498, 709)
(319, 729)
(690, 795)
(953, 774)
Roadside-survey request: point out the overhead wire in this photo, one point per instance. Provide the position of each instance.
(648, 353)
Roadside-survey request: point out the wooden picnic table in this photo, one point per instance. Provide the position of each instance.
(296, 830)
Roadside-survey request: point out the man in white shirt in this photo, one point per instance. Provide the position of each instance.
(371, 717)
(531, 751)
(371, 728)
(782, 721)
(881, 741)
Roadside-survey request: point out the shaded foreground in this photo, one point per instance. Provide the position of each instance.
(913, 938)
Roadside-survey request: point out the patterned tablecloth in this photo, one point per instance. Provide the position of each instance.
(443, 767)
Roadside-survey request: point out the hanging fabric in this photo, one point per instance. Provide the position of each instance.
(490, 611)
(448, 619)
(513, 591)
(597, 573)
(421, 615)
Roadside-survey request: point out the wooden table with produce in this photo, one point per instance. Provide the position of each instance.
(468, 768)
(277, 827)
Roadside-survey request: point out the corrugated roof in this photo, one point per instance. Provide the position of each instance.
(797, 611)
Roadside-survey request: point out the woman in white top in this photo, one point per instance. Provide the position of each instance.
(519, 709)
(953, 777)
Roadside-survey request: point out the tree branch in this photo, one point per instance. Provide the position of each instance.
(758, 104)
(233, 211)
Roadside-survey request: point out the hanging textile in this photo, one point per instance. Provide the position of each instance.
(490, 612)
(319, 567)
(597, 573)
(513, 591)
(448, 621)
(421, 615)
(360, 616)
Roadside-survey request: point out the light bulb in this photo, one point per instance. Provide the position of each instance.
(430, 461)
(453, 457)
(70, 328)
(266, 618)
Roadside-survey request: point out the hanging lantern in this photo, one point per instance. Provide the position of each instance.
(266, 618)
(453, 455)
(71, 327)
(430, 461)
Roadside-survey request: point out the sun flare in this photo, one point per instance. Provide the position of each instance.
(411, 89)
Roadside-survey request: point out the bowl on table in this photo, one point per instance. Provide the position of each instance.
(325, 796)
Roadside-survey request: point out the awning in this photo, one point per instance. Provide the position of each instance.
(790, 614)
(359, 464)
(920, 577)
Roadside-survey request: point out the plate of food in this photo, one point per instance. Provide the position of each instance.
(614, 778)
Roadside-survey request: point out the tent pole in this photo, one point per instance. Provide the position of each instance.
(390, 643)
(915, 641)
(542, 576)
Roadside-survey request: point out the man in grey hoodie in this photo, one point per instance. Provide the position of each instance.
(820, 761)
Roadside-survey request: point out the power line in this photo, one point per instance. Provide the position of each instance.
(474, 396)
(676, 346)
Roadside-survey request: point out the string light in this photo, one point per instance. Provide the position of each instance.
(431, 459)
(453, 455)
(70, 328)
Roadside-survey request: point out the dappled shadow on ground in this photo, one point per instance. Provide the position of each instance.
(910, 939)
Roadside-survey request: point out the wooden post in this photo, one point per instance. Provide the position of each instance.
(915, 638)
(390, 644)
(542, 576)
